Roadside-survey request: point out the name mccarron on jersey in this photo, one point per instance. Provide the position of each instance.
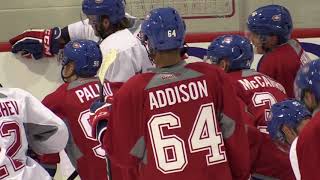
(260, 81)
(178, 94)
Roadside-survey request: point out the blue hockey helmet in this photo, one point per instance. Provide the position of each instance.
(114, 9)
(234, 48)
(308, 78)
(271, 20)
(86, 56)
(289, 113)
(163, 29)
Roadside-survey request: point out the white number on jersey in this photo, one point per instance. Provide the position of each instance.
(261, 99)
(172, 33)
(87, 130)
(170, 150)
(11, 129)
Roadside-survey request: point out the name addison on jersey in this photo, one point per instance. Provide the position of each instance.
(178, 94)
(260, 81)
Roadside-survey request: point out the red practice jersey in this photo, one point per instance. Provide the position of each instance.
(267, 160)
(304, 153)
(180, 122)
(282, 64)
(258, 92)
(71, 101)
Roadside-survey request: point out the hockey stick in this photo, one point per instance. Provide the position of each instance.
(73, 175)
(107, 61)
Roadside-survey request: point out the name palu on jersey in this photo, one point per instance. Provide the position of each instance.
(92, 91)
(260, 81)
(178, 94)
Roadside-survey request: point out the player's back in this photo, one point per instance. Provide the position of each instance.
(183, 128)
(71, 102)
(14, 162)
(179, 133)
(259, 92)
(283, 62)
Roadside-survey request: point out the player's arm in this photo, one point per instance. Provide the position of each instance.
(123, 134)
(47, 161)
(38, 43)
(81, 30)
(233, 130)
(53, 102)
(46, 132)
(248, 117)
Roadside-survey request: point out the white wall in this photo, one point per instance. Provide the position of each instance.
(43, 76)
(38, 77)
(18, 15)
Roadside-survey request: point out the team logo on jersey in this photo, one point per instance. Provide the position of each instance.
(170, 76)
(76, 45)
(227, 40)
(98, 1)
(276, 17)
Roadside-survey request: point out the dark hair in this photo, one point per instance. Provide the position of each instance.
(123, 24)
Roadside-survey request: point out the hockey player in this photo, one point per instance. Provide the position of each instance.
(234, 55)
(107, 21)
(258, 92)
(72, 100)
(270, 30)
(25, 122)
(304, 152)
(178, 123)
(287, 120)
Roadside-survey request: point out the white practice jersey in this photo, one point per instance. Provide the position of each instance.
(132, 57)
(294, 159)
(82, 30)
(26, 123)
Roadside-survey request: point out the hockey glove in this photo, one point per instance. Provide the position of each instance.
(37, 43)
(99, 116)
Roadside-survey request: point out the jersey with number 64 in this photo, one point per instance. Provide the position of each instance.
(71, 101)
(179, 122)
(26, 123)
(259, 92)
